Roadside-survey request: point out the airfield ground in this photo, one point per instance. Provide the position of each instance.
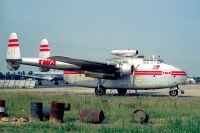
(192, 90)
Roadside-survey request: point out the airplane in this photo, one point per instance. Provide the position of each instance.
(53, 76)
(126, 71)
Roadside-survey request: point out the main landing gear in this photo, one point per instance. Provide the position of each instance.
(56, 83)
(100, 90)
(174, 91)
(39, 82)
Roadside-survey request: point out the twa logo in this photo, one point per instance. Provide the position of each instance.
(166, 73)
(47, 62)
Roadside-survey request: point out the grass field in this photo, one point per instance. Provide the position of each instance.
(166, 114)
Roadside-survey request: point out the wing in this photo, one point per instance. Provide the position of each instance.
(86, 65)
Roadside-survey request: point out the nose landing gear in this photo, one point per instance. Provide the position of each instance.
(174, 91)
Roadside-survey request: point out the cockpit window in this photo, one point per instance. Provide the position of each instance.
(153, 61)
(161, 61)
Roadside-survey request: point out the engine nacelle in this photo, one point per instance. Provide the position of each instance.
(126, 69)
(43, 69)
(12, 66)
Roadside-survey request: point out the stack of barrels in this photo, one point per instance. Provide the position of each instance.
(54, 114)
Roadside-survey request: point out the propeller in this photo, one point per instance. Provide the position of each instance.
(132, 77)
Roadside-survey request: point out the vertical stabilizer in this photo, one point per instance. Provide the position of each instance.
(13, 51)
(44, 52)
(44, 49)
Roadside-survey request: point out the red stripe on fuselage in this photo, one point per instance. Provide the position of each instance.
(141, 73)
(148, 72)
(179, 73)
(174, 73)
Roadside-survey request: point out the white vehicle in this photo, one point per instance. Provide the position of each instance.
(190, 81)
(126, 71)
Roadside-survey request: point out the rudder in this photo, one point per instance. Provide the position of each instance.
(44, 51)
(13, 51)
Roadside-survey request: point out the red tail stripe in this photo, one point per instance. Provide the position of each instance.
(43, 50)
(13, 45)
(44, 45)
(13, 40)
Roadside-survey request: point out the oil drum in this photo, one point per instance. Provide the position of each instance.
(57, 112)
(2, 108)
(35, 111)
(94, 116)
(140, 116)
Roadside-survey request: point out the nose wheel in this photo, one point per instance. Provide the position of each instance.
(173, 93)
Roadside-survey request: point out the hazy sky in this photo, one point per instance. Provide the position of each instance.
(90, 28)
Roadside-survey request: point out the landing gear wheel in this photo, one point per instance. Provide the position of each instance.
(173, 93)
(122, 92)
(56, 83)
(40, 83)
(100, 91)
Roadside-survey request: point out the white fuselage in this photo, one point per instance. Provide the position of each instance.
(148, 74)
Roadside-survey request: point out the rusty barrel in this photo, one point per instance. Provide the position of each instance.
(2, 108)
(57, 112)
(35, 111)
(140, 116)
(95, 116)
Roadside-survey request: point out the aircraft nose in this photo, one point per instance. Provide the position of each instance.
(180, 75)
